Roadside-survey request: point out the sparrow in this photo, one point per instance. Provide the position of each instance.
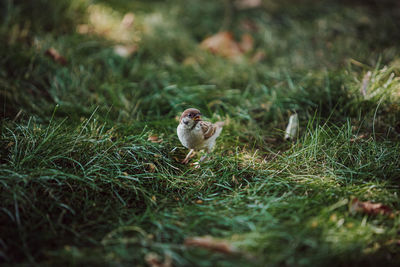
(196, 134)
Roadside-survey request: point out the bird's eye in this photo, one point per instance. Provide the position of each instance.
(190, 115)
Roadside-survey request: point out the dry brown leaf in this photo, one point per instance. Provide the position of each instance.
(154, 139)
(369, 208)
(247, 4)
(55, 55)
(357, 138)
(209, 243)
(153, 260)
(222, 44)
(125, 50)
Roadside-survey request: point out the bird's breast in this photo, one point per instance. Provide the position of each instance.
(190, 138)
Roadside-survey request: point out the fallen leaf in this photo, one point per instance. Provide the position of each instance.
(357, 138)
(210, 243)
(55, 55)
(154, 139)
(153, 260)
(222, 44)
(369, 208)
(247, 4)
(125, 50)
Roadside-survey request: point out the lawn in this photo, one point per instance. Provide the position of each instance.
(91, 92)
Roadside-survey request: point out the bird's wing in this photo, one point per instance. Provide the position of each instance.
(208, 128)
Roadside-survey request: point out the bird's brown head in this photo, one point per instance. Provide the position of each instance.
(190, 115)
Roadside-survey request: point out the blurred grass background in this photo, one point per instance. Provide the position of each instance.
(82, 184)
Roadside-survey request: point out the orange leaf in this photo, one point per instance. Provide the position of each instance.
(209, 243)
(53, 53)
(369, 208)
(222, 44)
(154, 139)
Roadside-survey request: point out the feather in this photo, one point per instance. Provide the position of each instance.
(209, 129)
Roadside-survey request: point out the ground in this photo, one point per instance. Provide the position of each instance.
(90, 168)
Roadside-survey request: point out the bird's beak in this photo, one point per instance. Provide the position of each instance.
(197, 118)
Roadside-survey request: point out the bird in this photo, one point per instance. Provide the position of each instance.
(196, 134)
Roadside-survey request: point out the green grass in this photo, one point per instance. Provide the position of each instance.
(81, 183)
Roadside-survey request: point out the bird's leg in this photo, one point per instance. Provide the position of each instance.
(202, 157)
(197, 164)
(186, 160)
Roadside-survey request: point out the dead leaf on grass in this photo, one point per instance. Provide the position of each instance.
(56, 56)
(359, 137)
(210, 243)
(222, 44)
(154, 139)
(153, 260)
(369, 208)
